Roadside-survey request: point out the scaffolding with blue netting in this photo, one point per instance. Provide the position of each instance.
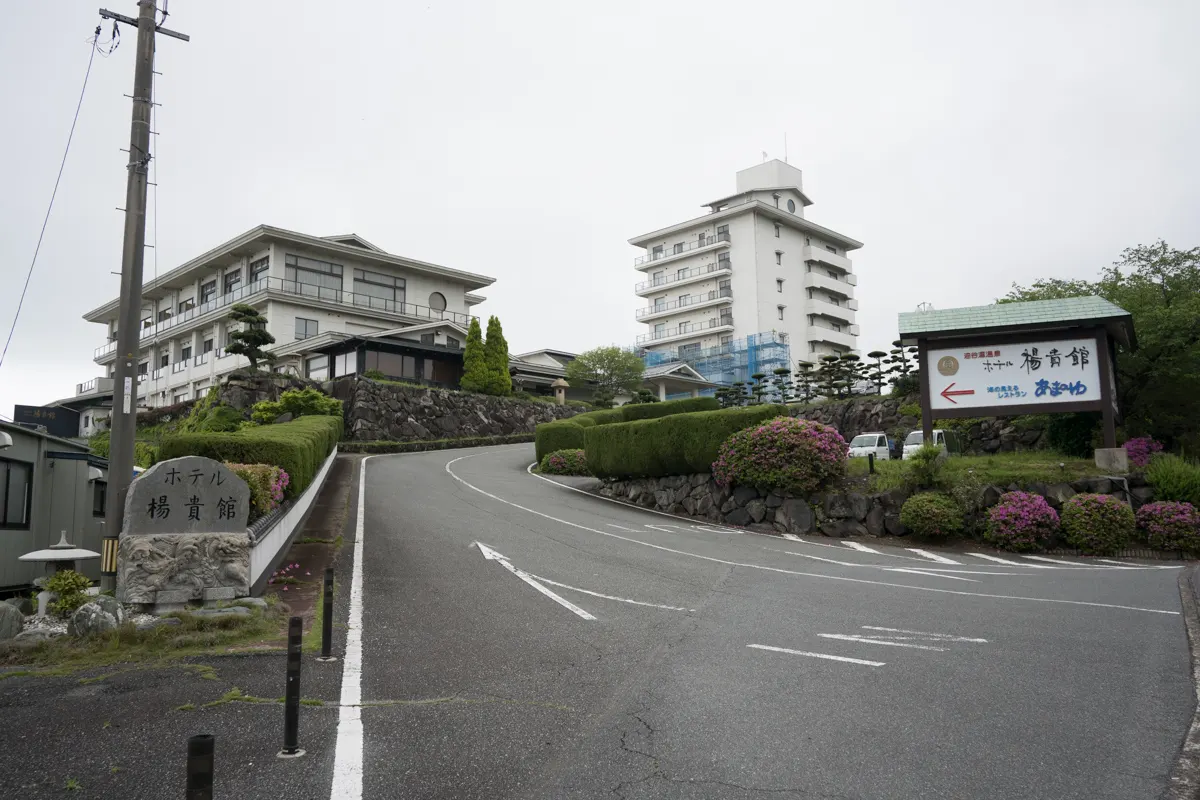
(730, 362)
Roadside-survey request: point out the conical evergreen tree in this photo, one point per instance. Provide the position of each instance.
(475, 370)
(495, 354)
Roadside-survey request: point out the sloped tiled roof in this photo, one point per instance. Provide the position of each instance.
(1048, 313)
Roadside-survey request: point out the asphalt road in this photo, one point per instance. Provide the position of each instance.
(592, 650)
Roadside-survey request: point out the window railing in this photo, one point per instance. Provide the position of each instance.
(694, 244)
(684, 275)
(694, 299)
(158, 373)
(201, 359)
(683, 330)
(179, 366)
(299, 289)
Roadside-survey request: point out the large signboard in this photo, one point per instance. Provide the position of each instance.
(62, 422)
(1029, 373)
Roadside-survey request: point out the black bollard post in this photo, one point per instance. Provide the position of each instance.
(327, 619)
(871, 463)
(200, 767)
(291, 696)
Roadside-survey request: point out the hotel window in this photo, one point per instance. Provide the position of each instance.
(656, 252)
(208, 291)
(259, 269)
(164, 360)
(186, 305)
(207, 346)
(232, 280)
(780, 309)
(831, 249)
(722, 229)
(378, 290)
(427, 338)
(316, 368)
(779, 284)
(779, 257)
(678, 248)
(453, 343)
(164, 314)
(776, 230)
(305, 328)
(185, 353)
(310, 276)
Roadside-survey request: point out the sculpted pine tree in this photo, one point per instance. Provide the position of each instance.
(253, 336)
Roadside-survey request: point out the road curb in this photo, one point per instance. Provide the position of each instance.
(1185, 776)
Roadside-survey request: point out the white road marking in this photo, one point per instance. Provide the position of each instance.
(868, 640)
(609, 596)
(931, 574)
(818, 558)
(947, 636)
(492, 555)
(660, 528)
(791, 537)
(931, 556)
(789, 651)
(778, 570)
(348, 751)
(1119, 563)
(618, 527)
(999, 560)
(862, 548)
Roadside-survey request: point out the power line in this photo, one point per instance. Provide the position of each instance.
(53, 194)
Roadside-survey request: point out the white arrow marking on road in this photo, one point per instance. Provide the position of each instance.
(618, 527)
(946, 636)
(999, 560)
(657, 528)
(493, 555)
(932, 574)
(862, 548)
(931, 556)
(789, 651)
(867, 640)
(609, 596)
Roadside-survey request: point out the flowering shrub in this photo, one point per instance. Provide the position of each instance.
(1170, 526)
(796, 455)
(930, 514)
(1021, 521)
(267, 485)
(1098, 524)
(564, 462)
(1140, 449)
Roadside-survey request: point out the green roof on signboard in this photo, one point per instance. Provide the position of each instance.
(1032, 314)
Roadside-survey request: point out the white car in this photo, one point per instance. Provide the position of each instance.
(947, 440)
(866, 444)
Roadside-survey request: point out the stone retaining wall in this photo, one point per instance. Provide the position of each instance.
(377, 411)
(838, 514)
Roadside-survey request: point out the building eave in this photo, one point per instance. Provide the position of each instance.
(745, 208)
(803, 197)
(469, 280)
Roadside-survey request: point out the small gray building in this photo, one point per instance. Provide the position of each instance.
(47, 485)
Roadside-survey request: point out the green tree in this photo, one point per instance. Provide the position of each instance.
(475, 371)
(1158, 385)
(253, 336)
(495, 354)
(875, 372)
(611, 370)
(805, 389)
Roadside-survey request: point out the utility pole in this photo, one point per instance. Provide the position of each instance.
(124, 413)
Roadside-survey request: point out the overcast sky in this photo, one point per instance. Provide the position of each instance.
(967, 144)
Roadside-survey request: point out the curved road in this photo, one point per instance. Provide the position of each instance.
(520, 639)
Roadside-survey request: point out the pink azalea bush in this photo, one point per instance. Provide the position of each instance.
(565, 462)
(1140, 450)
(1097, 524)
(267, 485)
(1170, 526)
(1021, 521)
(795, 455)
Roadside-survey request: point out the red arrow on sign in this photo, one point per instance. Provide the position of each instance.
(949, 395)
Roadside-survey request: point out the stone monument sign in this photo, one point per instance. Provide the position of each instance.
(184, 535)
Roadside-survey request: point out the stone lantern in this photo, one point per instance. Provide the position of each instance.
(560, 391)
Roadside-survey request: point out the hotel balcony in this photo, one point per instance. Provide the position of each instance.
(684, 277)
(844, 338)
(676, 332)
(819, 255)
(702, 300)
(840, 286)
(682, 250)
(843, 313)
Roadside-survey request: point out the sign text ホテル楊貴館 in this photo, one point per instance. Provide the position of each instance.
(1028, 373)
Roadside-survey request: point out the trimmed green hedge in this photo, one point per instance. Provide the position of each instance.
(679, 444)
(629, 413)
(432, 444)
(567, 434)
(299, 447)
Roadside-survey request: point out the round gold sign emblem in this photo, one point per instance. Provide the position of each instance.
(947, 365)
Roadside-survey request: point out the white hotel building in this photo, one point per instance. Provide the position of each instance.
(752, 265)
(312, 290)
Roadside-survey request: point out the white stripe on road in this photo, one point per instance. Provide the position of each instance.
(618, 527)
(778, 570)
(862, 548)
(791, 537)
(609, 596)
(661, 529)
(492, 555)
(348, 758)
(1009, 562)
(789, 651)
(1119, 563)
(867, 640)
(947, 636)
(931, 574)
(931, 556)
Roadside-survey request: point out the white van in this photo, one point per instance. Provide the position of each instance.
(866, 444)
(947, 440)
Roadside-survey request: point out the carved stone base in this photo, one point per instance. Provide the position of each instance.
(173, 569)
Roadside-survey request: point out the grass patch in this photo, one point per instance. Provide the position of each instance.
(194, 636)
(186, 707)
(1001, 469)
(312, 637)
